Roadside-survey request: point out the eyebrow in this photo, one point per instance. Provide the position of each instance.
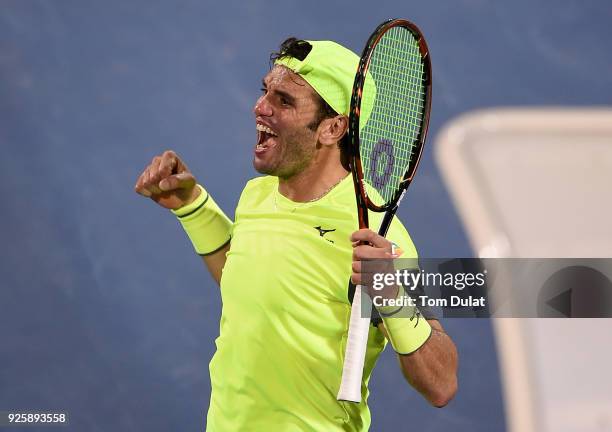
(282, 93)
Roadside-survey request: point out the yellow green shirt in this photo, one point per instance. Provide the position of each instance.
(285, 314)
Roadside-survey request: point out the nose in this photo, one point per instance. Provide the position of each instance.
(262, 107)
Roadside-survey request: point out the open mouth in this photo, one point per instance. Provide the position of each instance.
(265, 138)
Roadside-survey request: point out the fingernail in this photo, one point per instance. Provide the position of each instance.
(163, 185)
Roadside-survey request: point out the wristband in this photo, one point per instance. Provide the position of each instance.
(208, 228)
(407, 329)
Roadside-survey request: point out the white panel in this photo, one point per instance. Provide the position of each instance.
(538, 183)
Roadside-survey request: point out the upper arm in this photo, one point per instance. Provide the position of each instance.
(215, 261)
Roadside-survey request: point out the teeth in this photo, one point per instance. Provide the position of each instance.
(265, 129)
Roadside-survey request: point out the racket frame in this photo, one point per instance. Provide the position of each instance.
(352, 373)
(363, 201)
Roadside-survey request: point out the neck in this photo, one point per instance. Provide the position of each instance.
(313, 182)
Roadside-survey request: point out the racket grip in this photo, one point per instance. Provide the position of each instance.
(354, 356)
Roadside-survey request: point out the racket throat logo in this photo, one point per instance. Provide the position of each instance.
(399, 200)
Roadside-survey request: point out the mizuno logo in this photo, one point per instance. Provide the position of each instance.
(322, 232)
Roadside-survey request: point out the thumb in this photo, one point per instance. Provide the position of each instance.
(184, 180)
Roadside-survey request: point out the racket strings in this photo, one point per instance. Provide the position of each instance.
(389, 138)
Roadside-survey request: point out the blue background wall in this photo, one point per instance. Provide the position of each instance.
(105, 312)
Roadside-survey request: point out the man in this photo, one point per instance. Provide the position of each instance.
(284, 274)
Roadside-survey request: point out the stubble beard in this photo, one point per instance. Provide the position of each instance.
(295, 157)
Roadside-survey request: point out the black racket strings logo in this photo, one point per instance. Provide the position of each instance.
(382, 163)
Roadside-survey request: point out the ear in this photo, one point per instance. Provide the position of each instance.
(331, 130)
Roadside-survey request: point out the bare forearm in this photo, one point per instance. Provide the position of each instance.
(432, 369)
(216, 261)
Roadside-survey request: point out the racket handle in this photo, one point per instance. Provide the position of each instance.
(354, 356)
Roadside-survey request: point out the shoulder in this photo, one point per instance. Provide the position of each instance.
(257, 189)
(259, 185)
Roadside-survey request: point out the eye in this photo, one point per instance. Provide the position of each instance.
(263, 90)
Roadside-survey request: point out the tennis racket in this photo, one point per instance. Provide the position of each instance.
(388, 121)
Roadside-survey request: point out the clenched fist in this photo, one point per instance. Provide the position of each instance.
(372, 255)
(168, 182)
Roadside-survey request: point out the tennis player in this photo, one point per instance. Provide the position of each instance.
(285, 261)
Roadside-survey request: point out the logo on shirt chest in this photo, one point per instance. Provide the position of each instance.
(323, 231)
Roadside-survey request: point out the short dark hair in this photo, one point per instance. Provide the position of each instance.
(299, 49)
